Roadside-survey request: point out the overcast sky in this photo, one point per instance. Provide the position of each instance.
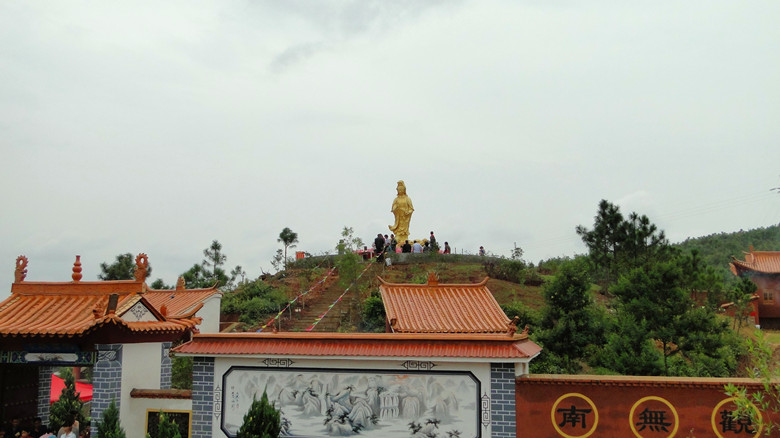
(158, 127)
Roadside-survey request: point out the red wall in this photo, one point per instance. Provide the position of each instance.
(768, 309)
(612, 398)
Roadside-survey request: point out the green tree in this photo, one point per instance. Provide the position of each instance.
(67, 406)
(197, 277)
(123, 268)
(181, 372)
(659, 297)
(214, 259)
(373, 314)
(517, 253)
(109, 426)
(740, 296)
(570, 322)
(348, 241)
(348, 266)
(630, 350)
(262, 420)
(616, 244)
(159, 284)
(166, 428)
(288, 238)
(278, 261)
(767, 398)
(210, 272)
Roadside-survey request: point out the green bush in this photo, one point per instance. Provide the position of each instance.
(253, 300)
(373, 315)
(261, 421)
(68, 407)
(181, 372)
(515, 271)
(109, 426)
(527, 315)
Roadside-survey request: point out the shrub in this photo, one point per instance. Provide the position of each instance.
(527, 315)
(262, 420)
(68, 407)
(181, 372)
(373, 315)
(109, 426)
(508, 270)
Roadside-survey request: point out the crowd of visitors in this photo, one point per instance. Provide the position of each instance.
(35, 429)
(384, 244)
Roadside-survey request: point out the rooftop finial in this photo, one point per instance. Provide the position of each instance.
(180, 284)
(77, 269)
(433, 279)
(21, 269)
(141, 267)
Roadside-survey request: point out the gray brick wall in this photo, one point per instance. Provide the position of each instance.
(166, 366)
(106, 380)
(202, 396)
(502, 400)
(44, 392)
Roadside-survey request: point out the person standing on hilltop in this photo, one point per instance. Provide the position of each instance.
(379, 244)
(402, 209)
(447, 247)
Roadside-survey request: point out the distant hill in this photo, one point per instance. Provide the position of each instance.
(716, 249)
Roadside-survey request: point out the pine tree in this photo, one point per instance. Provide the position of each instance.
(67, 406)
(166, 428)
(262, 420)
(109, 426)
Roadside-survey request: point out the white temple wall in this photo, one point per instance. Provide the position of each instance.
(344, 397)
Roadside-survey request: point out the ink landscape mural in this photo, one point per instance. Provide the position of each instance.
(326, 403)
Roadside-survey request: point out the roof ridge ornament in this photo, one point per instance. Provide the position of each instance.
(21, 269)
(141, 267)
(76, 276)
(433, 279)
(512, 326)
(180, 284)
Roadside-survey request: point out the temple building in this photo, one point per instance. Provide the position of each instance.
(763, 268)
(447, 366)
(122, 329)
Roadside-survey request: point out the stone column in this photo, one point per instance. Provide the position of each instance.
(106, 380)
(503, 420)
(44, 391)
(202, 396)
(166, 366)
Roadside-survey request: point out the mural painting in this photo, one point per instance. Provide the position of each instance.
(345, 402)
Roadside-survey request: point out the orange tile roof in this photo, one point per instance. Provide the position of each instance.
(370, 345)
(70, 309)
(182, 302)
(764, 262)
(443, 308)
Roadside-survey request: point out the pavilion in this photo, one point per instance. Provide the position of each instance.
(123, 329)
(763, 268)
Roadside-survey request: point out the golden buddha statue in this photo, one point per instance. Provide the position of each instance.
(402, 209)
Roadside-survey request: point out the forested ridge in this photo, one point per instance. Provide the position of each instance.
(716, 250)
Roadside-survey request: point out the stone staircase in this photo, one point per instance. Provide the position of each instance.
(317, 305)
